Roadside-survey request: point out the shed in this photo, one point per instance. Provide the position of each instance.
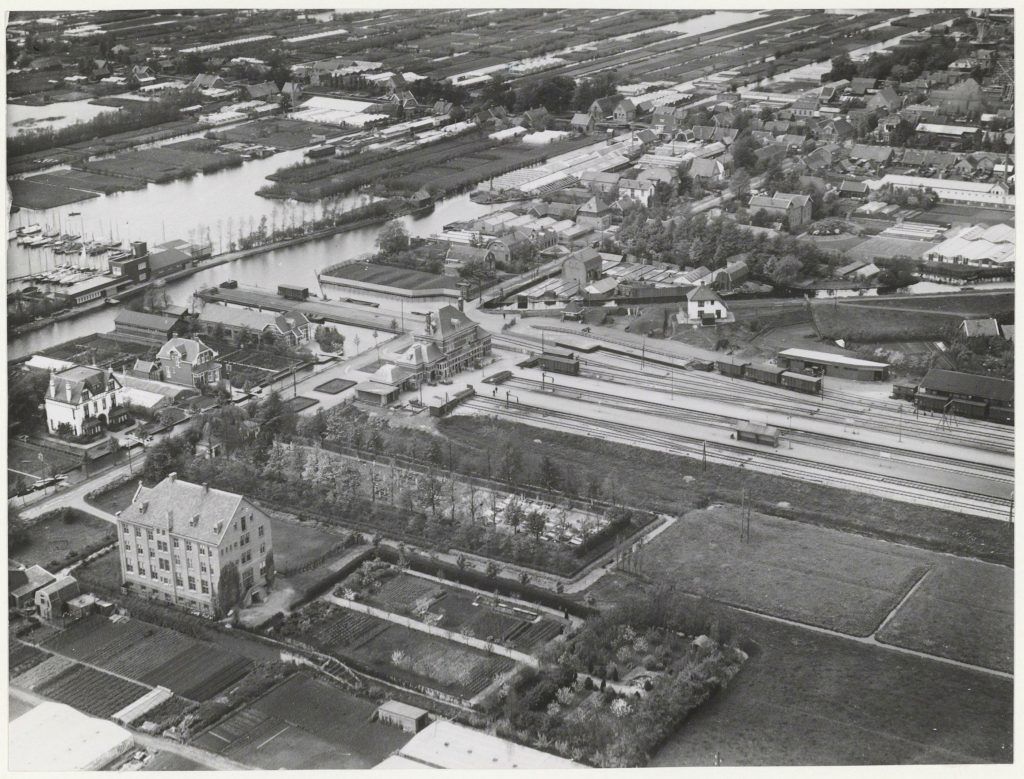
(376, 393)
(409, 718)
(833, 365)
(757, 434)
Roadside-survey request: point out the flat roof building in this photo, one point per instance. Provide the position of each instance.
(55, 738)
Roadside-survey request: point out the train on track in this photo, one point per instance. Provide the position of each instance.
(962, 394)
(772, 375)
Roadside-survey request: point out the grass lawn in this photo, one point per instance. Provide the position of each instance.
(52, 539)
(40, 195)
(810, 699)
(297, 543)
(117, 498)
(300, 403)
(804, 698)
(657, 481)
(962, 610)
(103, 573)
(334, 386)
(801, 572)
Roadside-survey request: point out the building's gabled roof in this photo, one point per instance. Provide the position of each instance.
(193, 511)
(582, 119)
(36, 577)
(187, 349)
(252, 320)
(954, 383)
(464, 252)
(595, 205)
(589, 256)
(702, 293)
(161, 322)
(450, 321)
(61, 588)
(79, 380)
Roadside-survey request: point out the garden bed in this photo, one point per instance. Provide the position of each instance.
(335, 386)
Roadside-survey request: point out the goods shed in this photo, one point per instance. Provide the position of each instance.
(376, 393)
(966, 394)
(838, 365)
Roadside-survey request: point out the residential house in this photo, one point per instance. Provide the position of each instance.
(459, 254)
(177, 537)
(442, 108)
(639, 191)
(582, 267)
(703, 305)
(959, 99)
(805, 107)
(880, 155)
(292, 327)
(625, 111)
(603, 107)
(791, 209)
(885, 99)
(536, 119)
(596, 212)
(51, 600)
(860, 86)
(207, 81)
(583, 122)
(599, 181)
(834, 130)
(189, 362)
(854, 189)
(266, 91)
(85, 399)
(706, 170)
(24, 583)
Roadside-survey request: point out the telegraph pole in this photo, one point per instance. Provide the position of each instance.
(704, 456)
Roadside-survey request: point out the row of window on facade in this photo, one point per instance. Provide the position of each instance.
(154, 574)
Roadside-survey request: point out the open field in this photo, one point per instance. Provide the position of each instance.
(297, 543)
(94, 692)
(305, 723)
(962, 610)
(903, 319)
(280, 133)
(116, 499)
(97, 349)
(801, 572)
(24, 458)
(40, 195)
(53, 539)
(88, 182)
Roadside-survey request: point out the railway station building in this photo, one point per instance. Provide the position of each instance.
(836, 365)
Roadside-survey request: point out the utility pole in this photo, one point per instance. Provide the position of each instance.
(704, 456)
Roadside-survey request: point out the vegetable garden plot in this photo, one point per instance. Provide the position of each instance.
(22, 657)
(94, 638)
(335, 386)
(42, 673)
(144, 657)
(347, 628)
(94, 692)
(199, 672)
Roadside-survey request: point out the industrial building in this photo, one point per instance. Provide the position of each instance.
(835, 365)
(55, 738)
(387, 283)
(966, 394)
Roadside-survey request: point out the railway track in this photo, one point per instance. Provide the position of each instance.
(727, 422)
(767, 461)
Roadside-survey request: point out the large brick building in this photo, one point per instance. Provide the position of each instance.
(176, 538)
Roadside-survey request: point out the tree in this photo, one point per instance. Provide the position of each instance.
(393, 238)
(535, 523)
(514, 514)
(783, 270)
(329, 339)
(550, 476)
(271, 571)
(229, 588)
(739, 185)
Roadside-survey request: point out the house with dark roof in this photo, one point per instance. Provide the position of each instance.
(860, 86)
(85, 400)
(885, 99)
(791, 209)
(144, 327)
(602, 108)
(266, 91)
(536, 119)
(583, 122)
(854, 189)
(177, 538)
(596, 212)
(23, 583)
(624, 111)
(189, 362)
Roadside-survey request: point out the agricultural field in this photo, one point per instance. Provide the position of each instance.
(40, 195)
(97, 349)
(94, 692)
(800, 572)
(401, 654)
(54, 539)
(42, 673)
(154, 655)
(164, 163)
(461, 611)
(304, 723)
(22, 657)
(88, 182)
(256, 366)
(963, 610)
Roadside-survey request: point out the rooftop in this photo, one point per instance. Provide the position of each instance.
(444, 744)
(194, 511)
(829, 358)
(955, 383)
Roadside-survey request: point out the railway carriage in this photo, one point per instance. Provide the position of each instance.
(1000, 414)
(763, 373)
(732, 368)
(801, 383)
(904, 390)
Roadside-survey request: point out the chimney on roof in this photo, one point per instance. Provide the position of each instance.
(172, 477)
(143, 507)
(67, 391)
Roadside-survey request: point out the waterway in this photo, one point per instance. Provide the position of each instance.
(293, 265)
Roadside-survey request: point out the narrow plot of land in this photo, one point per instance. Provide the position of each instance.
(963, 610)
(787, 569)
(53, 540)
(305, 723)
(38, 195)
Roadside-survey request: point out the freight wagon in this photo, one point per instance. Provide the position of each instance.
(963, 394)
(801, 383)
(560, 361)
(771, 375)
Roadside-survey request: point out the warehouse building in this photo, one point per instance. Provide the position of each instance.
(969, 193)
(835, 365)
(55, 738)
(966, 394)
